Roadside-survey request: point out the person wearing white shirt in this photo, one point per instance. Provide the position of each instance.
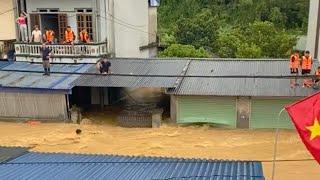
(36, 35)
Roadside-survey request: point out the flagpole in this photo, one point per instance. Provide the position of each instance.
(275, 147)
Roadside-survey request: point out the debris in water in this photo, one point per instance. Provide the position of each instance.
(78, 131)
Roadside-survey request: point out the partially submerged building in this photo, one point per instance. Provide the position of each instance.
(229, 93)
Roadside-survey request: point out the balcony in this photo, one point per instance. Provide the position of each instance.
(62, 53)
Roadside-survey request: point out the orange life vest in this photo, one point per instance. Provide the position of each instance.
(294, 61)
(84, 37)
(49, 36)
(306, 62)
(69, 36)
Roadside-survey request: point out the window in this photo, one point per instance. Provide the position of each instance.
(47, 10)
(63, 22)
(83, 10)
(85, 21)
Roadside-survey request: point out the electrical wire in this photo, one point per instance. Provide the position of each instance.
(169, 75)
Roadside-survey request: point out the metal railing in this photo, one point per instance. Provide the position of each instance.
(63, 50)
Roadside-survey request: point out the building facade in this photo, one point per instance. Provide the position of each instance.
(120, 28)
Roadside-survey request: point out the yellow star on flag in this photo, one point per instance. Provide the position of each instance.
(314, 129)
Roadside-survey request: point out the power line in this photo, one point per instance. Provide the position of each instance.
(171, 76)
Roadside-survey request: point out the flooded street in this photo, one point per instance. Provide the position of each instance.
(169, 140)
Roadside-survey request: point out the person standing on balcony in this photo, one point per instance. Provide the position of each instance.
(36, 35)
(48, 36)
(46, 53)
(306, 69)
(22, 22)
(294, 67)
(69, 36)
(84, 36)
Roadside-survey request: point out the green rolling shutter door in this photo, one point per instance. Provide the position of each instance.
(264, 113)
(196, 109)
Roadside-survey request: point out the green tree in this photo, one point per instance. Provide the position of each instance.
(179, 50)
(228, 42)
(249, 51)
(199, 31)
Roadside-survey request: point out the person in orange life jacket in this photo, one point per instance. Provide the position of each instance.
(69, 36)
(306, 66)
(48, 36)
(294, 64)
(84, 36)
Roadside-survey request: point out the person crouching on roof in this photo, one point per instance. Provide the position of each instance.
(104, 65)
(294, 68)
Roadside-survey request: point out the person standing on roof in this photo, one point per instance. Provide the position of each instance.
(317, 78)
(22, 22)
(306, 68)
(48, 36)
(69, 36)
(294, 67)
(46, 53)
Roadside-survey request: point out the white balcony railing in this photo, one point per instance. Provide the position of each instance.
(62, 50)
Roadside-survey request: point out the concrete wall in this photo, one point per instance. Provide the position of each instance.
(63, 5)
(312, 28)
(7, 20)
(131, 27)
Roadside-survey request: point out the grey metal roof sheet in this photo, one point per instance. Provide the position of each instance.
(135, 67)
(4, 64)
(239, 86)
(9, 153)
(75, 166)
(10, 77)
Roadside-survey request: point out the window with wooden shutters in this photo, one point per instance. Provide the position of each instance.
(63, 23)
(85, 21)
(34, 20)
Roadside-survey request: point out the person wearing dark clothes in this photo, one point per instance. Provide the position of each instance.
(46, 53)
(105, 66)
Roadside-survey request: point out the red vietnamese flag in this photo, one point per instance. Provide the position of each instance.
(305, 115)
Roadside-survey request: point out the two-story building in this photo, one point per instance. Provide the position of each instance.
(120, 28)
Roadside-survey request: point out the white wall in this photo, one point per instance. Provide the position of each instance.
(129, 38)
(7, 21)
(63, 5)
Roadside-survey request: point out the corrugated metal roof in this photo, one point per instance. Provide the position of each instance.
(4, 64)
(135, 67)
(12, 78)
(72, 166)
(239, 86)
(9, 153)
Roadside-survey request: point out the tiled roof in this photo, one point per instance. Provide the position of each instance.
(75, 166)
(135, 67)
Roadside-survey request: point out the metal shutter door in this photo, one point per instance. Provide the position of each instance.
(264, 113)
(201, 109)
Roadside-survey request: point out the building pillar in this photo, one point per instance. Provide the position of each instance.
(173, 109)
(314, 29)
(153, 51)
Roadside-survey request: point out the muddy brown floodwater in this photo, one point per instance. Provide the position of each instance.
(169, 140)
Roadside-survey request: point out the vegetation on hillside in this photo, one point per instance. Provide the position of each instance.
(231, 28)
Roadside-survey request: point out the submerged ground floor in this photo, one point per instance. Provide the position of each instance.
(101, 135)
